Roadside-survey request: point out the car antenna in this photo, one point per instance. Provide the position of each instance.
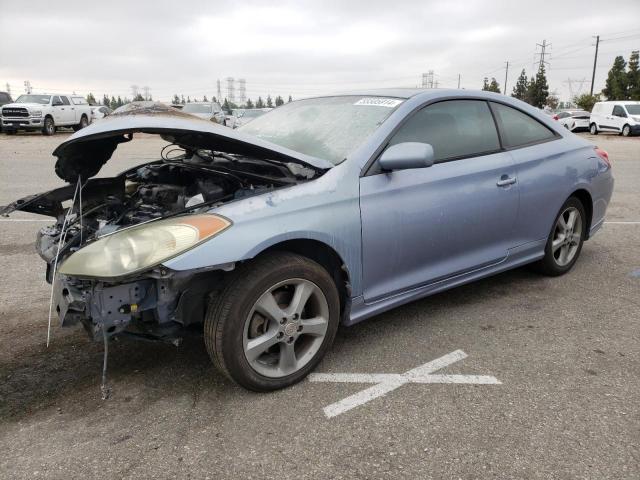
(63, 236)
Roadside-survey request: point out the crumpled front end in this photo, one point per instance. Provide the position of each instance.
(153, 306)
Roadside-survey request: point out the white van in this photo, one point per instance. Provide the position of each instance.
(621, 116)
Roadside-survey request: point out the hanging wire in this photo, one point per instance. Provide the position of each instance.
(63, 236)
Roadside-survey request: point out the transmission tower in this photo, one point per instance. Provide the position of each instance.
(242, 86)
(427, 79)
(231, 89)
(575, 92)
(543, 52)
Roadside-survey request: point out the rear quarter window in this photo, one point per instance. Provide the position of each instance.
(518, 129)
(79, 101)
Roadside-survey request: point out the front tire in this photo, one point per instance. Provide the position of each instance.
(593, 129)
(565, 240)
(49, 127)
(275, 319)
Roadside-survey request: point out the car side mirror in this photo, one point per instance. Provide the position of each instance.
(403, 156)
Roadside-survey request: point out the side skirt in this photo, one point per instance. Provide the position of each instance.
(522, 255)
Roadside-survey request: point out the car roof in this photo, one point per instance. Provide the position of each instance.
(620, 102)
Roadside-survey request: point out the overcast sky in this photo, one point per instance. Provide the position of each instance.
(303, 48)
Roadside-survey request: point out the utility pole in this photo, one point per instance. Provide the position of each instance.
(219, 98)
(145, 89)
(506, 73)
(458, 81)
(595, 60)
(8, 88)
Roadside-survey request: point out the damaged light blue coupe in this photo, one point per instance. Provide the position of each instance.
(324, 211)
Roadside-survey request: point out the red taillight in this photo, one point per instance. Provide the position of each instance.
(603, 155)
(555, 117)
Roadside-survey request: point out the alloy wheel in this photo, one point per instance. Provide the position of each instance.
(285, 327)
(567, 236)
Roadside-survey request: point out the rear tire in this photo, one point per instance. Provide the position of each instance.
(49, 127)
(83, 123)
(593, 129)
(565, 241)
(265, 349)
(626, 131)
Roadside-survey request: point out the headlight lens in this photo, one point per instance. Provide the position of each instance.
(36, 113)
(143, 246)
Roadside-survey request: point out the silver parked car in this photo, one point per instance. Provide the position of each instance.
(207, 111)
(324, 211)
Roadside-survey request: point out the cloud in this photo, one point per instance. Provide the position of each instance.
(299, 47)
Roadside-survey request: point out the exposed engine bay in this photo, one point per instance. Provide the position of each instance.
(189, 182)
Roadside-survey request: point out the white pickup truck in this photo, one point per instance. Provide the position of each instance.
(32, 112)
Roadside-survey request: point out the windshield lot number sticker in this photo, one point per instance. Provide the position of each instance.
(378, 102)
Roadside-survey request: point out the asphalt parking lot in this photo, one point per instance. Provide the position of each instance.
(565, 351)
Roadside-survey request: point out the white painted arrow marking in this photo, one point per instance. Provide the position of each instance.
(387, 382)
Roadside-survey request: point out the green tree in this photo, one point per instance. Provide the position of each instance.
(204, 99)
(290, 99)
(520, 91)
(119, 102)
(113, 103)
(491, 87)
(105, 100)
(617, 81)
(91, 100)
(538, 89)
(552, 102)
(259, 103)
(176, 99)
(586, 101)
(182, 99)
(138, 98)
(249, 103)
(188, 99)
(633, 76)
(269, 102)
(279, 101)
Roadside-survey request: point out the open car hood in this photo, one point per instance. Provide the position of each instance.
(86, 151)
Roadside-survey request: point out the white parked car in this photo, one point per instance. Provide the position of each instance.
(621, 116)
(33, 112)
(573, 120)
(99, 111)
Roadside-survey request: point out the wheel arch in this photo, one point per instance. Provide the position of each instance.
(327, 257)
(587, 202)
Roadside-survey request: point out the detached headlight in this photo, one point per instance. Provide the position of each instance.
(36, 113)
(143, 246)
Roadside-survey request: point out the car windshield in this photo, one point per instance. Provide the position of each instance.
(197, 108)
(329, 128)
(633, 109)
(253, 113)
(42, 99)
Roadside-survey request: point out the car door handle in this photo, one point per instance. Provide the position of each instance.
(506, 181)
